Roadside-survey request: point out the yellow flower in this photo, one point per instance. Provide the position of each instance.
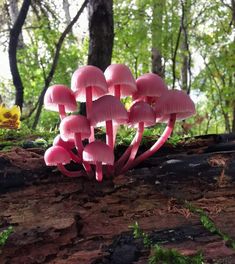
(9, 117)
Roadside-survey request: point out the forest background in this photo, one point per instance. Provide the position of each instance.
(190, 43)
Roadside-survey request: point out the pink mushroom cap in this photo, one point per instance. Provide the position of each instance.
(74, 124)
(56, 155)
(141, 112)
(59, 95)
(88, 76)
(174, 102)
(58, 141)
(98, 151)
(120, 74)
(107, 108)
(151, 85)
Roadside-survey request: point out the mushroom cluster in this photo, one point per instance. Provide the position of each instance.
(152, 103)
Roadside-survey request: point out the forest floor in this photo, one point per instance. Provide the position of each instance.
(59, 220)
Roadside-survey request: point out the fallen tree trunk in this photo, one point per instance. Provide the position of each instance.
(66, 221)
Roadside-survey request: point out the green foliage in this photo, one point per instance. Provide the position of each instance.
(4, 235)
(164, 255)
(208, 223)
(26, 137)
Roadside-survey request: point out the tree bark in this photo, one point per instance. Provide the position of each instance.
(156, 28)
(66, 11)
(13, 13)
(12, 51)
(101, 33)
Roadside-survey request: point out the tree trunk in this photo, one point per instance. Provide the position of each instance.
(233, 121)
(156, 28)
(101, 33)
(185, 70)
(14, 12)
(66, 11)
(13, 42)
(233, 16)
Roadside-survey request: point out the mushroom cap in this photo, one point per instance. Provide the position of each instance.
(149, 84)
(141, 112)
(98, 151)
(120, 74)
(74, 124)
(56, 155)
(88, 76)
(108, 107)
(59, 94)
(174, 101)
(58, 141)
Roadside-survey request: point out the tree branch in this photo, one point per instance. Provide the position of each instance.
(55, 61)
(12, 52)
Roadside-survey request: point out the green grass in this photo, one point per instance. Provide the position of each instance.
(13, 138)
(4, 235)
(209, 224)
(164, 255)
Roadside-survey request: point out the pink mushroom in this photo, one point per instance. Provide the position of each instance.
(150, 86)
(173, 105)
(77, 128)
(68, 145)
(141, 115)
(108, 110)
(120, 80)
(98, 153)
(59, 156)
(61, 99)
(88, 84)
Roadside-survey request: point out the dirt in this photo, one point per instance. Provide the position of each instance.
(59, 220)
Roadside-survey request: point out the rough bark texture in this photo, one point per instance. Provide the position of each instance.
(14, 12)
(13, 42)
(156, 29)
(58, 220)
(101, 33)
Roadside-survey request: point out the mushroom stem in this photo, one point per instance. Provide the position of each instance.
(117, 92)
(79, 147)
(165, 135)
(109, 134)
(68, 173)
(78, 143)
(98, 172)
(62, 112)
(135, 146)
(88, 110)
(74, 157)
(119, 163)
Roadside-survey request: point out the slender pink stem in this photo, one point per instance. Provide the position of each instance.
(62, 111)
(165, 135)
(117, 94)
(117, 91)
(74, 157)
(98, 172)
(78, 143)
(88, 110)
(70, 173)
(135, 146)
(118, 164)
(109, 134)
(80, 147)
